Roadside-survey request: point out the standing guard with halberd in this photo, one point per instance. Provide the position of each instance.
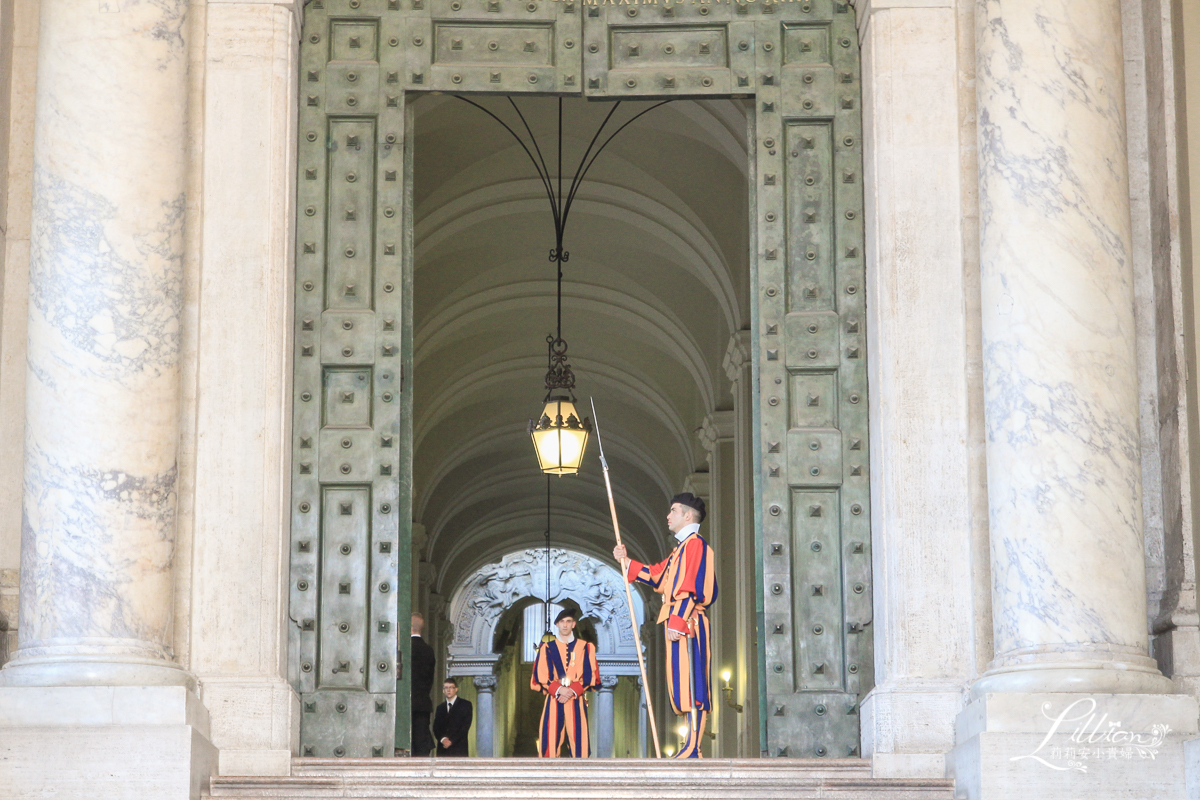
(565, 669)
(688, 583)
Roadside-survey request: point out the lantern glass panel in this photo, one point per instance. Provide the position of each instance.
(560, 449)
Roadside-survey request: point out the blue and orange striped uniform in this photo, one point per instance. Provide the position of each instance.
(571, 664)
(688, 583)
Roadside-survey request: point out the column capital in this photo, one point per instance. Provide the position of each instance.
(699, 484)
(419, 537)
(608, 682)
(716, 426)
(737, 355)
(484, 683)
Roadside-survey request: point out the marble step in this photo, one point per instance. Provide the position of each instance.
(563, 779)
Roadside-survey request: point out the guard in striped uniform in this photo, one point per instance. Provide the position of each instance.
(565, 670)
(687, 581)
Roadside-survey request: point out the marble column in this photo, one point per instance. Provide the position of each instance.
(103, 392)
(1060, 375)
(485, 723)
(606, 722)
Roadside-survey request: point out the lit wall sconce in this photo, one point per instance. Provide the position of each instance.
(728, 690)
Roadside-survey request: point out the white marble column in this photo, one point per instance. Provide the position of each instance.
(103, 391)
(606, 722)
(1064, 485)
(485, 723)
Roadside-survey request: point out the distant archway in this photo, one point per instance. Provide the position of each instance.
(484, 603)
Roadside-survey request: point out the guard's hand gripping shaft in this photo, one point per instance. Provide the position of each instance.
(637, 640)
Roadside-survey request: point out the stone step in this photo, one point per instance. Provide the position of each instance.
(564, 779)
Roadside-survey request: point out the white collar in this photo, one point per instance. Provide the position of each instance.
(450, 700)
(565, 641)
(687, 530)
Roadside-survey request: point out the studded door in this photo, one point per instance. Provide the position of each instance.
(351, 490)
(798, 62)
(350, 439)
(812, 382)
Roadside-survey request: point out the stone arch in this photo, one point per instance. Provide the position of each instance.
(479, 603)
(493, 592)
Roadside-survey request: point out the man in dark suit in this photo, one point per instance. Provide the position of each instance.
(452, 721)
(424, 662)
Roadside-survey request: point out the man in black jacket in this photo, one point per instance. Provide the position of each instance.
(424, 662)
(452, 721)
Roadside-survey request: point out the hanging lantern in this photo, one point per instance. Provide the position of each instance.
(560, 435)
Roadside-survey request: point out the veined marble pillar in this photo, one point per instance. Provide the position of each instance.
(94, 674)
(105, 296)
(1071, 648)
(1064, 479)
(606, 722)
(485, 723)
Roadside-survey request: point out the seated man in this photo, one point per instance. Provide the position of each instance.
(564, 670)
(452, 721)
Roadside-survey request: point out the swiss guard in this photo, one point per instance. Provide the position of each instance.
(687, 581)
(564, 670)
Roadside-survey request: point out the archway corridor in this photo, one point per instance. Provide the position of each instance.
(655, 293)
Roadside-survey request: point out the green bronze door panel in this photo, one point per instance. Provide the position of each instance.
(651, 50)
(494, 46)
(812, 385)
(350, 508)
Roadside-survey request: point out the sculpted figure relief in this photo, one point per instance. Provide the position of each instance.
(585, 583)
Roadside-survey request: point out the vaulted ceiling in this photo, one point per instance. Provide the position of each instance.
(656, 283)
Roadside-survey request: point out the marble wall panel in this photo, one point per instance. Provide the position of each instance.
(922, 472)
(242, 305)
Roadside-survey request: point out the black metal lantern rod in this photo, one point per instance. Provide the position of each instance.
(560, 205)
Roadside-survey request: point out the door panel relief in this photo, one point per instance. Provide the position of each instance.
(677, 48)
(502, 46)
(348, 540)
(812, 380)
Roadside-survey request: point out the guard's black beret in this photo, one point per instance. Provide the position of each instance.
(691, 501)
(566, 612)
